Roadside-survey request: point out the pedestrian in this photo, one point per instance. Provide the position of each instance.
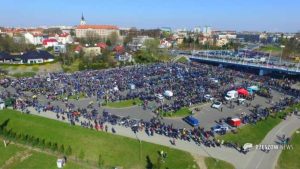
(106, 128)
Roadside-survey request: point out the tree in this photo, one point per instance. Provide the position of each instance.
(69, 151)
(159, 163)
(108, 42)
(100, 161)
(49, 145)
(43, 144)
(36, 142)
(92, 37)
(113, 37)
(54, 147)
(152, 46)
(62, 149)
(81, 155)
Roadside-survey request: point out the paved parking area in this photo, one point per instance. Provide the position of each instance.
(207, 115)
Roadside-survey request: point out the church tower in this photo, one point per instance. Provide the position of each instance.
(82, 21)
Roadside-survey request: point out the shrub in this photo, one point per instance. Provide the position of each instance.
(54, 147)
(62, 149)
(69, 151)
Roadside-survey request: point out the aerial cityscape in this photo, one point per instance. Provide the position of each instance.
(149, 84)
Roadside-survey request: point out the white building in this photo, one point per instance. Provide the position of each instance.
(165, 44)
(197, 30)
(49, 43)
(35, 39)
(138, 42)
(223, 39)
(207, 31)
(102, 31)
(64, 38)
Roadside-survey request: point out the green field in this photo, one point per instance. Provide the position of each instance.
(71, 68)
(182, 60)
(33, 160)
(124, 103)
(269, 48)
(8, 152)
(255, 133)
(182, 112)
(115, 150)
(212, 163)
(289, 159)
(24, 74)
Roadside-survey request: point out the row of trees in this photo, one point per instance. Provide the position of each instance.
(10, 45)
(292, 47)
(45, 145)
(93, 38)
(36, 142)
(194, 43)
(151, 53)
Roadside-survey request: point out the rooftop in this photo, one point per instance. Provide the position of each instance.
(97, 27)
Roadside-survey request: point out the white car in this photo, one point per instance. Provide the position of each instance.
(208, 97)
(159, 96)
(219, 128)
(216, 105)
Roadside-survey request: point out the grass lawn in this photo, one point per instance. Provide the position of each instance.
(124, 103)
(35, 160)
(115, 150)
(182, 112)
(72, 68)
(182, 60)
(289, 159)
(8, 152)
(255, 133)
(24, 74)
(212, 163)
(43, 161)
(269, 48)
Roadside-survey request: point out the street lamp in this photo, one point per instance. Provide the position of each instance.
(282, 47)
(269, 58)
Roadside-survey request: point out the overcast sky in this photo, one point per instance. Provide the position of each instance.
(252, 15)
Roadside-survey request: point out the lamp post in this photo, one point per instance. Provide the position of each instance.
(269, 58)
(282, 47)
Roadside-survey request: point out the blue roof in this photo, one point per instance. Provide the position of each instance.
(41, 54)
(4, 55)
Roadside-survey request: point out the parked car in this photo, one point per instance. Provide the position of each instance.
(219, 128)
(216, 105)
(208, 97)
(191, 121)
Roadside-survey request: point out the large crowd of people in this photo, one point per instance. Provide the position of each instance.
(189, 83)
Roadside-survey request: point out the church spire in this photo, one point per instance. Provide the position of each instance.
(82, 21)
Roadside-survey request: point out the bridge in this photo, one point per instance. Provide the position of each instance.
(262, 68)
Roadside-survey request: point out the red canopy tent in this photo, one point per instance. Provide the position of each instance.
(243, 92)
(235, 122)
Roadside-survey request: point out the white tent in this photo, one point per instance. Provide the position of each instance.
(132, 86)
(2, 104)
(116, 88)
(168, 93)
(60, 163)
(247, 146)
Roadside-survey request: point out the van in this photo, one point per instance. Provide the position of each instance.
(232, 94)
